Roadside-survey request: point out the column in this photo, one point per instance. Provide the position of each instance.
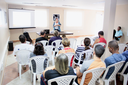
(109, 20)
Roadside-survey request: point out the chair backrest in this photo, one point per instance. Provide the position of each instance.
(122, 47)
(96, 73)
(88, 55)
(73, 43)
(124, 68)
(63, 80)
(57, 43)
(117, 68)
(23, 56)
(49, 51)
(70, 55)
(103, 44)
(44, 42)
(37, 64)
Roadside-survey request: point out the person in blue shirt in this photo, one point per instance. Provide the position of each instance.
(118, 34)
(114, 58)
(126, 55)
(56, 25)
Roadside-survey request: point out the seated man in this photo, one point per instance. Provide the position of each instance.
(118, 34)
(114, 58)
(100, 39)
(96, 62)
(23, 45)
(42, 34)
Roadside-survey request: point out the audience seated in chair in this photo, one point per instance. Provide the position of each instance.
(29, 40)
(66, 44)
(42, 34)
(80, 49)
(39, 51)
(118, 34)
(60, 69)
(55, 37)
(126, 55)
(23, 45)
(114, 58)
(96, 62)
(101, 38)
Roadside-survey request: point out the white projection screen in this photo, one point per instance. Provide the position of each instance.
(21, 18)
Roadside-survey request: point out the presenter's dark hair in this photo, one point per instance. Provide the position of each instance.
(99, 50)
(39, 49)
(101, 33)
(87, 43)
(22, 38)
(42, 33)
(26, 34)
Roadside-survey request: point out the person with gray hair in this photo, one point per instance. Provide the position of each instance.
(55, 37)
(114, 58)
(61, 68)
(96, 62)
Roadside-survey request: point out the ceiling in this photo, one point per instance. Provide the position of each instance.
(83, 4)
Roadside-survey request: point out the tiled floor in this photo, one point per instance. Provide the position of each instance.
(11, 76)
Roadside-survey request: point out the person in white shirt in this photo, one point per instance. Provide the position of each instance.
(23, 45)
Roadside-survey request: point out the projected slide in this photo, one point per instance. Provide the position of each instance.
(25, 20)
(19, 18)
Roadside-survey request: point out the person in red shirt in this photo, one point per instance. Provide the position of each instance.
(100, 39)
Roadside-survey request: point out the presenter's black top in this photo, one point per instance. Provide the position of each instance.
(40, 39)
(50, 74)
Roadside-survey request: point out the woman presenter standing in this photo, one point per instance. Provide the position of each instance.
(56, 25)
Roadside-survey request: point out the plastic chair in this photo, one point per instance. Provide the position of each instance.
(88, 55)
(113, 75)
(22, 57)
(73, 43)
(44, 42)
(70, 55)
(103, 44)
(63, 80)
(122, 47)
(57, 43)
(37, 66)
(50, 51)
(124, 75)
(96, 73)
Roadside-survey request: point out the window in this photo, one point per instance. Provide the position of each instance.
(41, 18)
(73, 20)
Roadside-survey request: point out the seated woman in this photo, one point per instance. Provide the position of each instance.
(55, 37)
(80, 49)
(28, 39)
(66, 44)
(39, 50)
(60, 69)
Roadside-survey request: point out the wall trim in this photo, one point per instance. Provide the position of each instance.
(2, 61)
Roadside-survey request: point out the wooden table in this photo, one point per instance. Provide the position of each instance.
(63, 33)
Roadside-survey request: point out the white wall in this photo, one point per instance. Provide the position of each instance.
(4, 34)
(89, 21)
